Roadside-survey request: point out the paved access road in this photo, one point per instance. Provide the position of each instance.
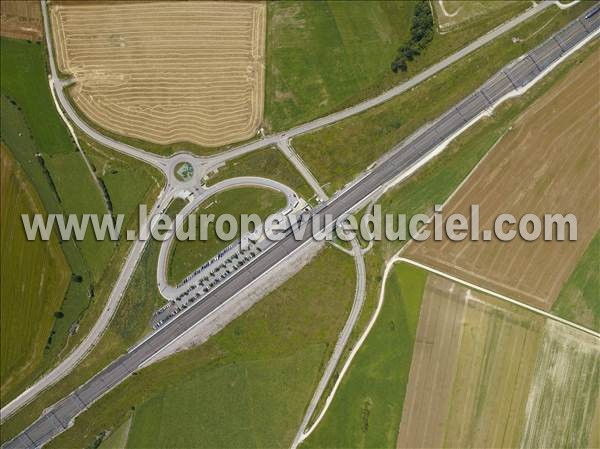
(511, 78)
(200, 196)
(167, 165)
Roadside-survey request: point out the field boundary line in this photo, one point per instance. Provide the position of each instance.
(342, 342)
(499, 296)
(397, 258)
(355, 349)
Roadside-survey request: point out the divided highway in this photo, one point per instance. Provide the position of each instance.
(507, 81)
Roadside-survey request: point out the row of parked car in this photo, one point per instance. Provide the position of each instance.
(206, 279)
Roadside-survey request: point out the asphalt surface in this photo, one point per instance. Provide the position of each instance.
(167, 164)
(288, 151)
(200, 196)
(514, 76)
(342, 341)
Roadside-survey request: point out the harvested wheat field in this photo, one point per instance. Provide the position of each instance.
(549, 162)
(21, 19)
(487, 374)
(168, 71)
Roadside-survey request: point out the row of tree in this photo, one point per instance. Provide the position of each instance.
(421, 34)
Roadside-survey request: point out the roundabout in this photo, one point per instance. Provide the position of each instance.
(184, 171)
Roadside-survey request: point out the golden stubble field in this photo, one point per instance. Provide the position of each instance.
(21, 19)
(549, 162)
(488, 374)
(166, 71)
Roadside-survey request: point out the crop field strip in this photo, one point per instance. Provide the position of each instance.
(31, 270)
(547, 163)
(21, 19)
(489, 375)
(166, 72)
(567, 366)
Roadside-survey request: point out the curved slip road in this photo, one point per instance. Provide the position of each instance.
(166, 165)
(513, 79)
(359, 299)
(200, 196)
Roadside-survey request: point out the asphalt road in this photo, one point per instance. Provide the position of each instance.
(167, 165)
(512, 77)
(200, 196)
(341, 344)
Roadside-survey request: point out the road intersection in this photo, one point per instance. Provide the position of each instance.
(399, 161)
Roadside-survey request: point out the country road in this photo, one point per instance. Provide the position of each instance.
(406, 156)
(200, 196)
(167, 165)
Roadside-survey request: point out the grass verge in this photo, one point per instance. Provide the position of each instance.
(363, 138)
(579, 299)
(186, 256)
(269, 358)
(268, 163)
(368, 407)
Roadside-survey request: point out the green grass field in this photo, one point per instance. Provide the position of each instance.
(266, 162)
(80, 195)
(320, 54)
(368, 405)
(431, 185)
(130, 323)
(579, 299)
(30, 126)
(324, 56)
(365, 137)
(462, 12)
(248, 395)
(118, 437)
(128, 181)
(186, 256)
(35, 276)
(24, 79)
(270, 357)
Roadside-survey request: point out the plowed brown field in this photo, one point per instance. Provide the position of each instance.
(548, 163)
(167, 71)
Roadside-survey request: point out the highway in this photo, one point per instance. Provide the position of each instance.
(512, 78)
(200, 196)
(202, 165)
(166, 164)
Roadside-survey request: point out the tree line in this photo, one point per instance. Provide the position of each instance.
(421, 34)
